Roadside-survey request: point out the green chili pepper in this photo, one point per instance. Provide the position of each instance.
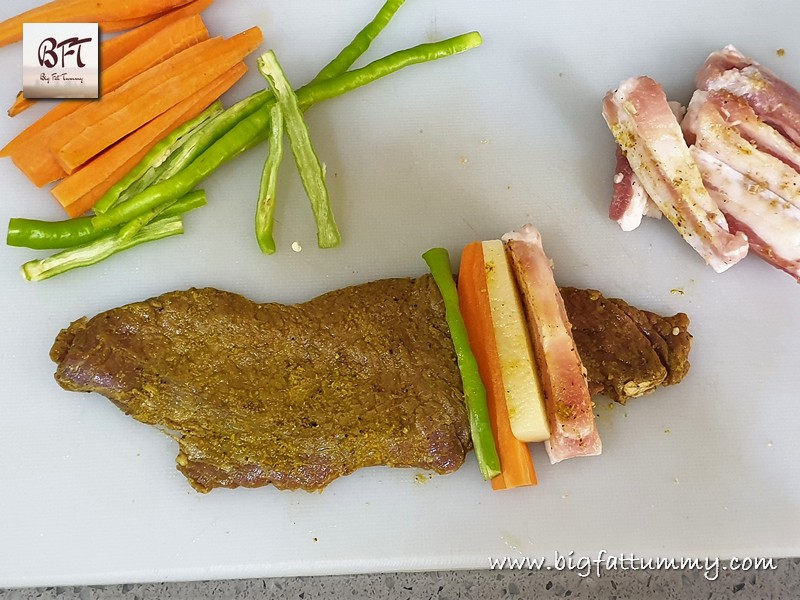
(312, 94)
(42, 235)
(360, 43)
(308, 164)
(209, 133)
(48, 235)
(241, 137)
(106, 245)
(144, 172)
(438, 261)
(129, 229)
(265, 209)
(255, 128)
(184, 204)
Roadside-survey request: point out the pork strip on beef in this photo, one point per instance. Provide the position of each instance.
(570, 410)
(626, 351)
(295, 396)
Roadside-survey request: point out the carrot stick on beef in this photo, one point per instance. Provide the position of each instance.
(515, 458)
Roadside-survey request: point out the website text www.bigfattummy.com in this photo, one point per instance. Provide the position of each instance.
(604, 561)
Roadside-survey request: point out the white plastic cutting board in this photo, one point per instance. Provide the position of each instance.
(440, 154)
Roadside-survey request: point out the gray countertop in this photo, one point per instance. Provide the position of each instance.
(783, 581)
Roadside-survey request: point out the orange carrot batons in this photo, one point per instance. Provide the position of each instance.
(122, 12)
(515, 459)
(95, 127)
(112, 50)
(26, 149)
(117, 47)
(78, 192)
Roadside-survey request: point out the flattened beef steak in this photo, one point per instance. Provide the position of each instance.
(297, 396)
(627, 352)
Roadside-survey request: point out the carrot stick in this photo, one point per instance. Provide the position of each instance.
(158, 46)
(515, 458)
(21, 103)
(38, 164)
(126, 24)
(111, 51)
(114, 49)
(85, 11)
(114, 10)
(28, 149)
(168, 41)
(107, 168)
(96, 126)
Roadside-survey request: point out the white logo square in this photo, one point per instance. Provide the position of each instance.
(60, 60)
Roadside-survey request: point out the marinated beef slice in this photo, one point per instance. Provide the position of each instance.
(295, 396)
(299, 395)
(626, 351)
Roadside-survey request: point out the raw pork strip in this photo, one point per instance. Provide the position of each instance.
(774, 101)
(771, 223)
(569, 405)
(645, 128)
(630, 202)
(716, 122)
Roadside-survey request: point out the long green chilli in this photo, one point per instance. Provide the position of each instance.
(210, 132)
(308, 164)
(438, 261)
(255, 128)
(265, 209)
(51, 235)
(106, 245)
(360, 43)
(311, 94)
(142, 174)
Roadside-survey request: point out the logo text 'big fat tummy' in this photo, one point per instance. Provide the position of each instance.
(60, 60)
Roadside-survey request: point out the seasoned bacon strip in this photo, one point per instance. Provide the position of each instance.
(771, 223)
(569, 406)
(720, 61)
(740, 115)
(711, 123)
(630, 202)
(649, 134)
(774, 101)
